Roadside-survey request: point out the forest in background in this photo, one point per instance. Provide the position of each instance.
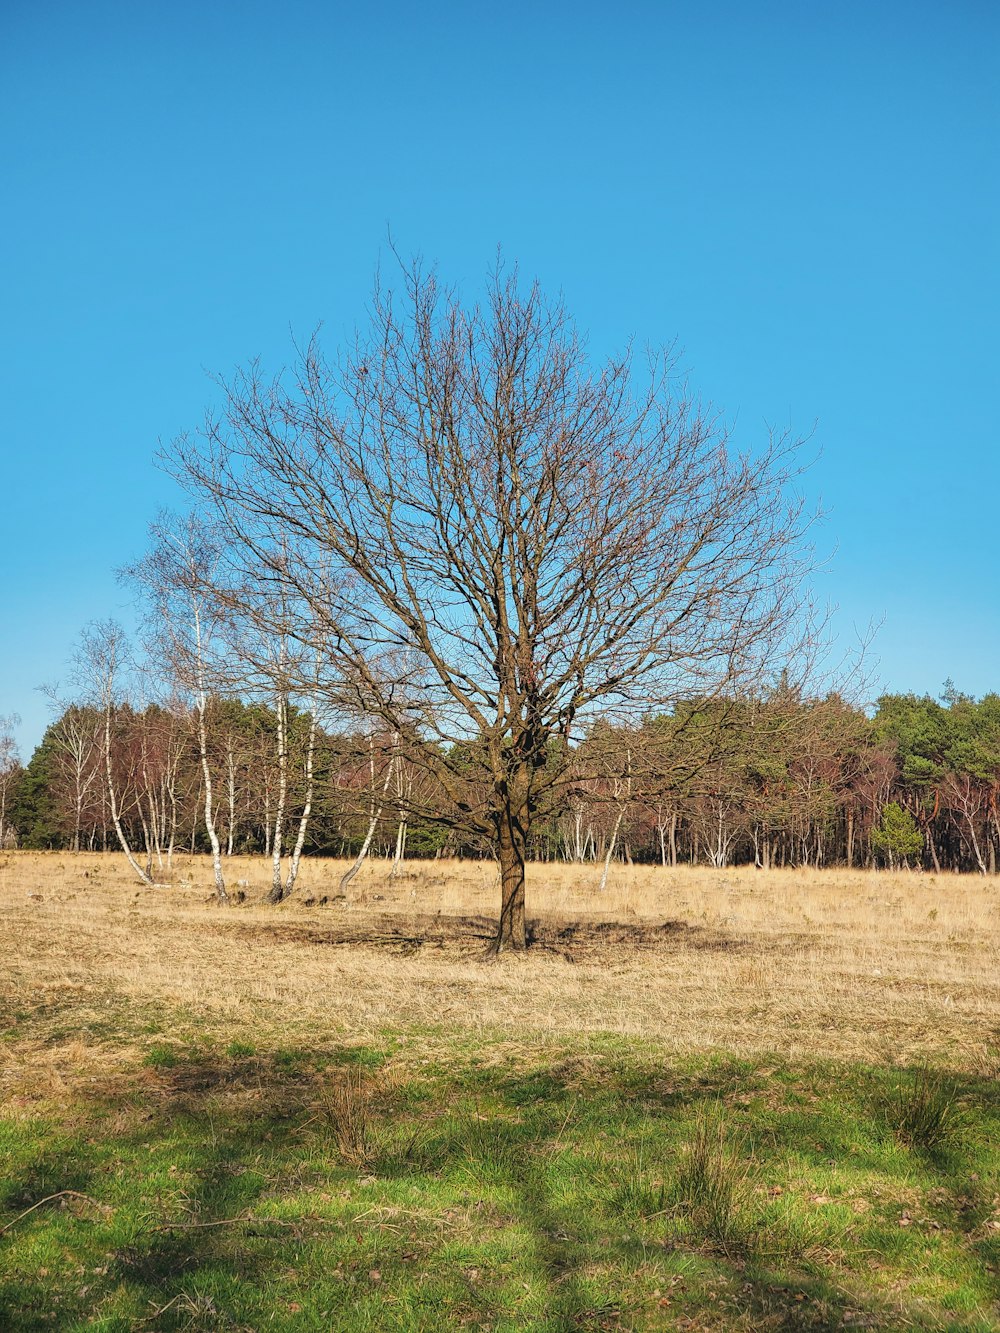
(775, 781)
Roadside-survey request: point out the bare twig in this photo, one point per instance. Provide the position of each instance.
(49, 1198)
(249, 1220)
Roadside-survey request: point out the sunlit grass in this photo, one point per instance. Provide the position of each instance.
(253, 1119)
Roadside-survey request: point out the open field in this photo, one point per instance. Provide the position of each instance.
(702, 1100)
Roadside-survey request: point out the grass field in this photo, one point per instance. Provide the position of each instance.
(703, 1100)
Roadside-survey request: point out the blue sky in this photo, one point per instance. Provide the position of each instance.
(805, 197)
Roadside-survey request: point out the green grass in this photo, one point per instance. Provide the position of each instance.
(436, 1185)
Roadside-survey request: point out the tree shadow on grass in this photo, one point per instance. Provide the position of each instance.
(204, 1149)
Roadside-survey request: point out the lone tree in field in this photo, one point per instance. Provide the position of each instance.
(491, 538)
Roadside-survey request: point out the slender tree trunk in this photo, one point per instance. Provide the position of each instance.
(365, 848)
(155, 822)
(579, 846)
(113, 804)
(201, 702)
(933, 850)
(400, 852)
(373, 823)
(850, 839)
(277, 889)
(147, 842)
(611, 847)
(975, 844)
(293, 869)
(213, 836)
(231, 792)
(77, 814)
(172, 796)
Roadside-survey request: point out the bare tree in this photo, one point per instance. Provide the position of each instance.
(177, 576)
(494, 537)
(76, 739)
(10, 766)
(264, 657)
(100, 663)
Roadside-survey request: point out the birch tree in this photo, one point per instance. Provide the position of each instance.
(497, 536)
(101, 662)
(177, 576)
(10, 766)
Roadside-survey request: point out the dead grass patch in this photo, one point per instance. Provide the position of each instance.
(807, 964)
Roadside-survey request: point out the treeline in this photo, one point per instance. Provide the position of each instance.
(780, 780)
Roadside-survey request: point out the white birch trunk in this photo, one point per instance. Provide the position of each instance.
(202, 705)
(611, 847)
(293, 869)
(373, 822)
(113, 802)
(277, 890)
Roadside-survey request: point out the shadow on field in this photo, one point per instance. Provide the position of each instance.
(306, 1189)
(468, 936)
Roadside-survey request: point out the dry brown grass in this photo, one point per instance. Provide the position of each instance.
(867, 966)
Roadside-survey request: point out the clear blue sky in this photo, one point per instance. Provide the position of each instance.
(805, 196)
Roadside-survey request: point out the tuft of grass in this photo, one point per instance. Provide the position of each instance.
(924, 1111)
(642, 1189)
(488, 1145)
(161, 1057)
(345, 1111)
(241, 1050)
(714, 1180)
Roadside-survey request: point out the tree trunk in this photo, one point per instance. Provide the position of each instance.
(293, 869)
(365, 848)
(281, 713)
(77, 816)
(400, 852)
(933, 850)
(172, 796)
(611, 847)
(147, 843)
(376, 815)
(975, 845)
(113, 804)
(231, 791)
(850, 839)
(579, 844)
(213, 836)
(511, 933)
